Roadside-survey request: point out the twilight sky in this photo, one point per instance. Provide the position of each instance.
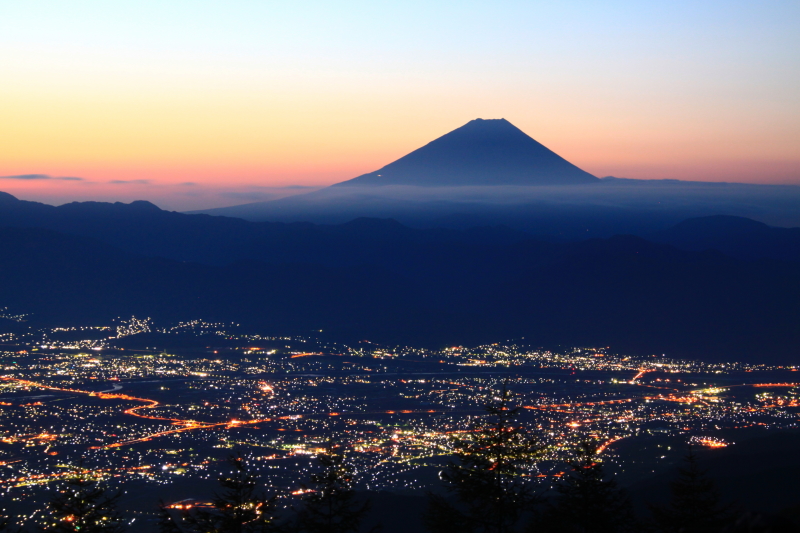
(194, 104)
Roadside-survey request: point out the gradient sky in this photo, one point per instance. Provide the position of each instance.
(199, 103)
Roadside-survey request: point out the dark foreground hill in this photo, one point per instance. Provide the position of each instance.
(142, 228)
(622, 292)
(758, 474)
(735, 236)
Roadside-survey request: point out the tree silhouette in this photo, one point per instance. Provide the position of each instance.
(330, 504)
(694, 505)
(166, 523)
(237, 509)
(82, 506)
(586, 501)
(490, 492)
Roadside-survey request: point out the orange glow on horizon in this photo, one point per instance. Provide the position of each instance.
(193, 155)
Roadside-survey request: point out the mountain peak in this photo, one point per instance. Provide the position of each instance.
(488, 120)
(142, 205)
(481, 152)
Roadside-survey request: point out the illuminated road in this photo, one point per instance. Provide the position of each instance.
(187, 425)
(184, 425)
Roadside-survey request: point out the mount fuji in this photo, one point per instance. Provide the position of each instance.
(482, 152)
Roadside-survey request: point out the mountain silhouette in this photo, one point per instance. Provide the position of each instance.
(492, 172)
(738, 237)
(482, 152)
(142, 228)
(381, 280)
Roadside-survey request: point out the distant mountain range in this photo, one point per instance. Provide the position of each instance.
(735, 236)
(379, 279)
(488, 172)
(142, 228)
(491, 236)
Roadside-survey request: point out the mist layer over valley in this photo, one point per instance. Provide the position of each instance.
(489, 172)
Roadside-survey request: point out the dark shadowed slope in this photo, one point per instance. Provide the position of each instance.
(62, 279)
(741, 472)
(482, 152)
(142, 228)
(735, 236)
(623, 292)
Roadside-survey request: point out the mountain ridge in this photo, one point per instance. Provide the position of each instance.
(143, 228)
(378, 279)
(738, 237)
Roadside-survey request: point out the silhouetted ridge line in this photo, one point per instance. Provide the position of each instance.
(738, 237)
(422, 288)
(482, 152)
(6, 198)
